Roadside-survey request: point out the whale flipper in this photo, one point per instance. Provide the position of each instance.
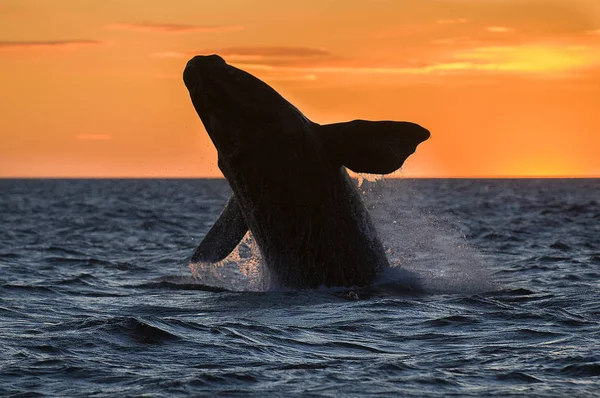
(372, 147)
(308, 219)
(223, 236)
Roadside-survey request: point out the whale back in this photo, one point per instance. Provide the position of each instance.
(289, 180)
(308, 219)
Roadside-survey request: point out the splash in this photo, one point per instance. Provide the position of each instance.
(421, 245)
(362, 177)
(423, 250)
(241, 270)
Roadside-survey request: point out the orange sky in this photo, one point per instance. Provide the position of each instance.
(507, 87)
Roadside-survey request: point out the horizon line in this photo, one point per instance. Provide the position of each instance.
(159, 177)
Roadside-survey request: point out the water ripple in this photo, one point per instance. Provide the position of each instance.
(96, 298)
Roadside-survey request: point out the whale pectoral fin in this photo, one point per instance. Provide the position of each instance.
(223, 236)
(372, 147)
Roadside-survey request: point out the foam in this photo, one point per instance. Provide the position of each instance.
(424, 246)
(422, 249)
(241, 270)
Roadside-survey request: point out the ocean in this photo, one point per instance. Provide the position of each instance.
(97, 297)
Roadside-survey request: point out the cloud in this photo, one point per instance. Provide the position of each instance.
(461, 55)
(529, 59)
(172, 28)
(499, 29)
(274, 56)
(294, 77)
(48, 45)
(172, 54)
(277, 63)
(594, 32)
(295, 56)
(452, 21)
(269, 52)
(456, 41)
(272, 76)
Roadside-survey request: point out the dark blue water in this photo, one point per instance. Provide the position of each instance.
(97, 299)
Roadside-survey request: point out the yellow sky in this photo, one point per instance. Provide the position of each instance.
(507, 87)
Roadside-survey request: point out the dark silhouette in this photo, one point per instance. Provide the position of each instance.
(290, 187)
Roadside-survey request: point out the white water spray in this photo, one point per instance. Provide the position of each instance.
(421, 245)
(241, 270)
(421, 248)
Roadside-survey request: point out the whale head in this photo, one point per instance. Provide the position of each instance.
(236, 108)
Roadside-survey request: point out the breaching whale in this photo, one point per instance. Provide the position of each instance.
(289, 180)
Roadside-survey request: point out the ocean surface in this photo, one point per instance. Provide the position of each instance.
(97, 296)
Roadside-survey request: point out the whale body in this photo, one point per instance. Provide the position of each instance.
(289, 180)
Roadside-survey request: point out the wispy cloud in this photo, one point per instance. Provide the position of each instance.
(276, 63)
(48, 45)
(171, 28)
(452, 21)
(594, 32)
(529, 58)
(456, 41)
(273, 75)
(172, 54)
(462, 55)
(499, 29)
(274, 55)
(294, 77)
(263, 55)
(542, 60)
(269, 51)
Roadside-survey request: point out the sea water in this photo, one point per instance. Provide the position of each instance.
(97, 296)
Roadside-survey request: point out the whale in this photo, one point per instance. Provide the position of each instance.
(289, 179)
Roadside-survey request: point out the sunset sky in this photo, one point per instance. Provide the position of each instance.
(507, 87)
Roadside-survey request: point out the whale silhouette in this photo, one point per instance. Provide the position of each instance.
(289, 180)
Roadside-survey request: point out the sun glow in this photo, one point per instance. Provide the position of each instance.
(543, 166)
(529, 58)
(506, 88)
